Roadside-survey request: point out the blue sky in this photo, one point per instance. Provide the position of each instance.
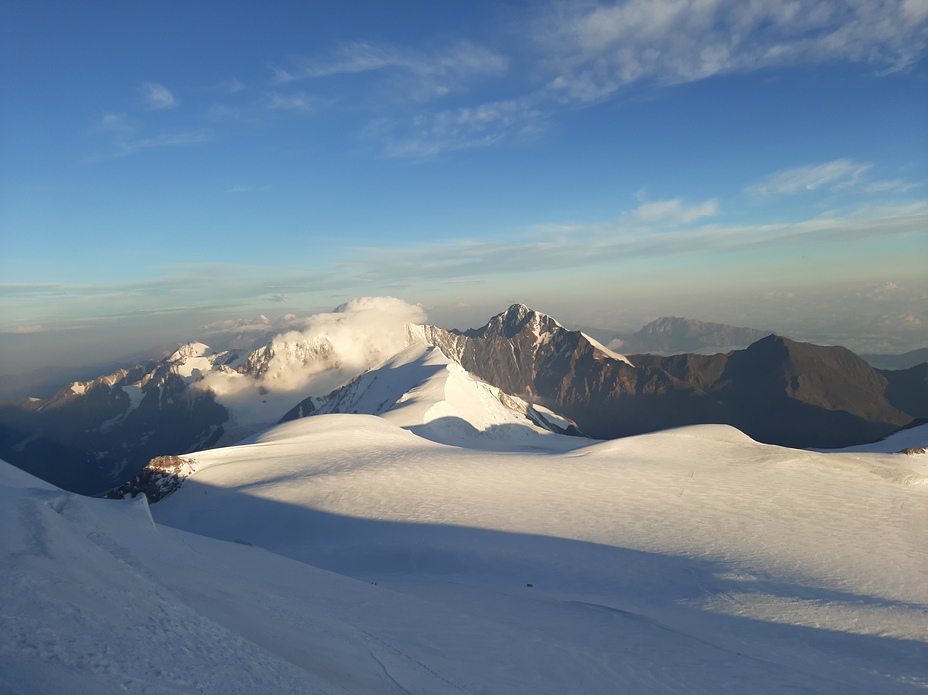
(170, 166)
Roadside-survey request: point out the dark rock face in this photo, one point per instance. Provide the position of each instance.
(797, 394)
(304, 408)
(776, 391)
(673, 335)
(907, 360)
(907, 389)
(530, 355)
(162, 476)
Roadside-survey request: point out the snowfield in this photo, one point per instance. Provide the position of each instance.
(447, 545)
(910, 438)
(688, 561)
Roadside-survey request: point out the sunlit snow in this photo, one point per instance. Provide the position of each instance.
(345, 553)
(606, 351)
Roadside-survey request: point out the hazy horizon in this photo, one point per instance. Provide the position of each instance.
(220, 334)
(166, 171)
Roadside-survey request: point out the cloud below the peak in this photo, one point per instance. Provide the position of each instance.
(323, 353)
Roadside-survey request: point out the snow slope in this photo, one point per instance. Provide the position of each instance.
(909, 438)
(96, 599)
(421, 390)
(606, 351)
(693, 560)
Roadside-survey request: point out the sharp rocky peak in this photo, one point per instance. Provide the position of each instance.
(518, 318)
(188, 350)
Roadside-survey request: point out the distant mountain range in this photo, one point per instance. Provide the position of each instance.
(94, 435)
(671, 335)
(903, 361)
(776, 391)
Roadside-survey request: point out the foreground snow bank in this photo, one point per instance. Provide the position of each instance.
(681, 561)
(689, 561)
(912, 440)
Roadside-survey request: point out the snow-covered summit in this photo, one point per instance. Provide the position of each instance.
(518, 318)
(192, 359)
(190, 350)
(422, 390)
(288, 353)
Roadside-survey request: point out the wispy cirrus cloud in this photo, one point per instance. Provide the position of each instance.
(116, 124)
(840, 173)
(231, 86)
(655, 231)
(23, 330)
(403, 73)
(595, 49)
(127, 147)
(181, 288)
(432, 133)
(461, 60)
(589, 51)
(891, 186)
(157, 96)
(633, 235)
(280, 75)
(126, 138)
(673, 212)
(257, 110)
(579, 52)
(294, 101)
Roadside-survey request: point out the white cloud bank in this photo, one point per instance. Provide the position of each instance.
(328, 350)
